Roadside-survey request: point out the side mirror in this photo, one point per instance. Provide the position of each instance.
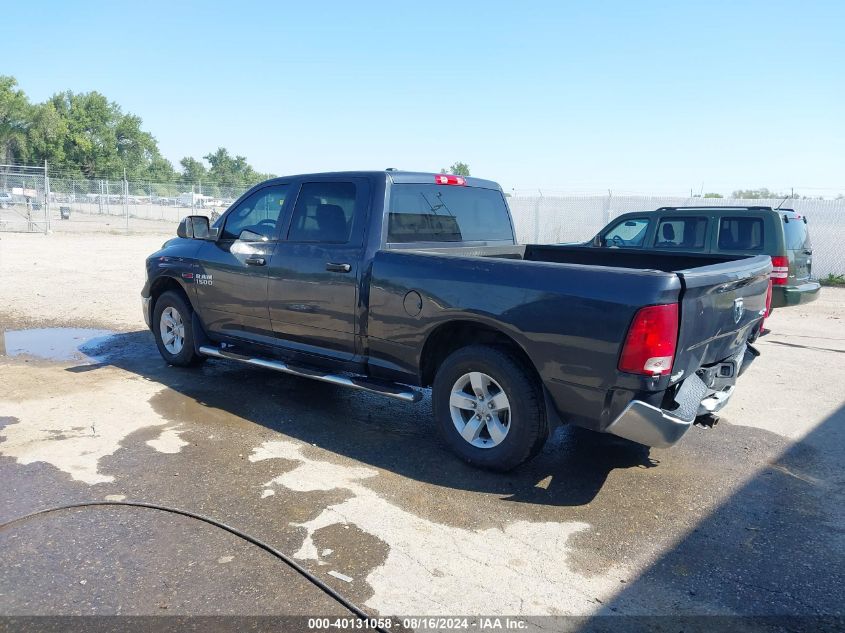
(597, 240)
(194, 227)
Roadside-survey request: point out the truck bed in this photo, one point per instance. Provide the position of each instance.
(614, 258)
(564, 304)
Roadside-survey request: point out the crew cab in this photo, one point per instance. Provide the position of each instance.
(394, 281)
(782, 234)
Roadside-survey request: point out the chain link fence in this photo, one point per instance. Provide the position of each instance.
(24, 204)
(34, 200)
(92, 204)
(556, 219)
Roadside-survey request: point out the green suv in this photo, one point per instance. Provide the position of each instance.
(779, 233)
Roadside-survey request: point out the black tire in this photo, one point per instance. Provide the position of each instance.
(527, 428)
(186, 356)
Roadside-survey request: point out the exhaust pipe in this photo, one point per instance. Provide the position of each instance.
(707, 420)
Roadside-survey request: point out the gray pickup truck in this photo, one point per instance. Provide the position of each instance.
(394, 281)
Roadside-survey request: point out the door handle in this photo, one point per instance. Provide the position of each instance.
(255, 261)
(338, 268)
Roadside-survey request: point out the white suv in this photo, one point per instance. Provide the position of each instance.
(6, 200)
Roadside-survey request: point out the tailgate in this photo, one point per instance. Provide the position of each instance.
(720, 306)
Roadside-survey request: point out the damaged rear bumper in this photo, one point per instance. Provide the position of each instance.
(645, 424)
(702, 394)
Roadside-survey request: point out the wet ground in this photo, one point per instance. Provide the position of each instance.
(744, 519)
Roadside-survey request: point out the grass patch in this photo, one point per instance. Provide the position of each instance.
(833, 280)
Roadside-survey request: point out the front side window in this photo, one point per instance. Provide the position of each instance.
(628, 233)
(323, 213)
(438, 213)
(256, 217)
(741, 234)
(681, 233)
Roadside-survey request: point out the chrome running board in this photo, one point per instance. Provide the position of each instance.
(391, 390)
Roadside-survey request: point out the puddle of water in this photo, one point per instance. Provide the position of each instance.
(53, 343)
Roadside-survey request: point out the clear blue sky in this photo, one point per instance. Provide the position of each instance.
(633, 96)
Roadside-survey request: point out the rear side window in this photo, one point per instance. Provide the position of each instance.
(681, 233)
(741, 234)
(629, 233)
(797, 237)
(323, 213)
(438, 213)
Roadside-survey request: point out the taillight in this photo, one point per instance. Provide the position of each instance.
(650, 345)
(447, 179)
(780, 270)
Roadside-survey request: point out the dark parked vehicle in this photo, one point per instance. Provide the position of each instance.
(781, 234)
(390, 281)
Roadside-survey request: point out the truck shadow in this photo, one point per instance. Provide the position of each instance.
(771, 546)
(774, 547)
(372, 429)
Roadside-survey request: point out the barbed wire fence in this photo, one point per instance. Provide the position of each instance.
(36, 199)
(156, 202)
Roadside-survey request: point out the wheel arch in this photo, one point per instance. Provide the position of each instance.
(452, 335)
(164, 284)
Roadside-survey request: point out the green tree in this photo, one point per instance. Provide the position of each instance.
(85, 135)
(160, 169)
(15, 113)
(232, 174)
(46, 134)
(228, 170)
(754, 193)
(91, 136)
(713, 195)
(458, 168)
(193, 170)
(90, 144)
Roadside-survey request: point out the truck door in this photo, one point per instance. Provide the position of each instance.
(315, 272)
(231, 281)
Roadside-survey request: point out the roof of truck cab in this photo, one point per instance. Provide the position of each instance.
(395, 176)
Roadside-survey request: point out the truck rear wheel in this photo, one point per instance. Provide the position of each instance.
(488, 408)
(173, 331)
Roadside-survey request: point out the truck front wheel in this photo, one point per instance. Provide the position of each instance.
(488, 408)
(173, 332)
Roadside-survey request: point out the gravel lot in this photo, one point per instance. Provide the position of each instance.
(746, 518)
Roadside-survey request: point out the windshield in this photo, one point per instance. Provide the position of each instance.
(438, 213)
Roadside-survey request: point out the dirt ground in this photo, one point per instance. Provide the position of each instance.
(744, 519)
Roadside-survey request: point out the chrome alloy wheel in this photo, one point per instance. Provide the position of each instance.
(172, 330)
(480, 410)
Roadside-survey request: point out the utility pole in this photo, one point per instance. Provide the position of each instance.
(46, 199)
(126, 199)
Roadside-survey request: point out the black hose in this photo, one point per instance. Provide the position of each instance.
(358, 611)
